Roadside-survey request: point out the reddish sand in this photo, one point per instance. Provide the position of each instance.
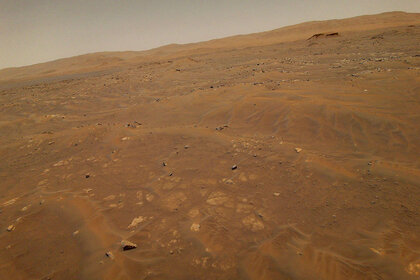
(140, 146)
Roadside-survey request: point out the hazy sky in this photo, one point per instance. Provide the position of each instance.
(33, 31)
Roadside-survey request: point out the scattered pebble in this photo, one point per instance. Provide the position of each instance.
(110, 255)
(11, 228)
(195, 227)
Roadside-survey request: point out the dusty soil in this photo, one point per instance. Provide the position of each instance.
(324, 133)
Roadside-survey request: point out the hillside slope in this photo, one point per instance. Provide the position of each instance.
(108, 60)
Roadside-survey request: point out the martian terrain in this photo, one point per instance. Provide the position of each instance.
(288, 154)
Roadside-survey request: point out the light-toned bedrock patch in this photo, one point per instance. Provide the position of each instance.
(205, 181)
(413, 268)
(10, 202)
(149, 197)
(174, 201)
(253, 223)
(219, 198)
(195, 227)
(245, 208)
(110, 197)
(168, 186)
(193, 213)
(62, 163)
(136, 221)
(175, 179)
(253, 177)
(242, 177)
(228, 181)
(139, 195)
(42, 182)
(216, 235)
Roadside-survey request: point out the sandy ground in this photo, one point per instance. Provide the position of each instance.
(278, 159)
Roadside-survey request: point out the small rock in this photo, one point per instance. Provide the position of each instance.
(195, 227)
(149, 197)
(186, 147)
(110, 255)
(10, 228)
(87, 176)
(234, 167)
(298, 150)
(75, 233)
(276, 194)
(164, 164)
(127, 245)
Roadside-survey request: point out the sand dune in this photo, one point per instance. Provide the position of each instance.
(261, 156)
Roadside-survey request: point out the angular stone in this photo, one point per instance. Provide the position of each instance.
(127, 245)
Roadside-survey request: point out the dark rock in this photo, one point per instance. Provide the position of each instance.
(110, 255)
(127, 245)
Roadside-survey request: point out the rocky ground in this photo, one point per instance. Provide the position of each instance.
(291, 160)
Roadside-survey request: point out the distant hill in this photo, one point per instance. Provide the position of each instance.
(108, 60)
